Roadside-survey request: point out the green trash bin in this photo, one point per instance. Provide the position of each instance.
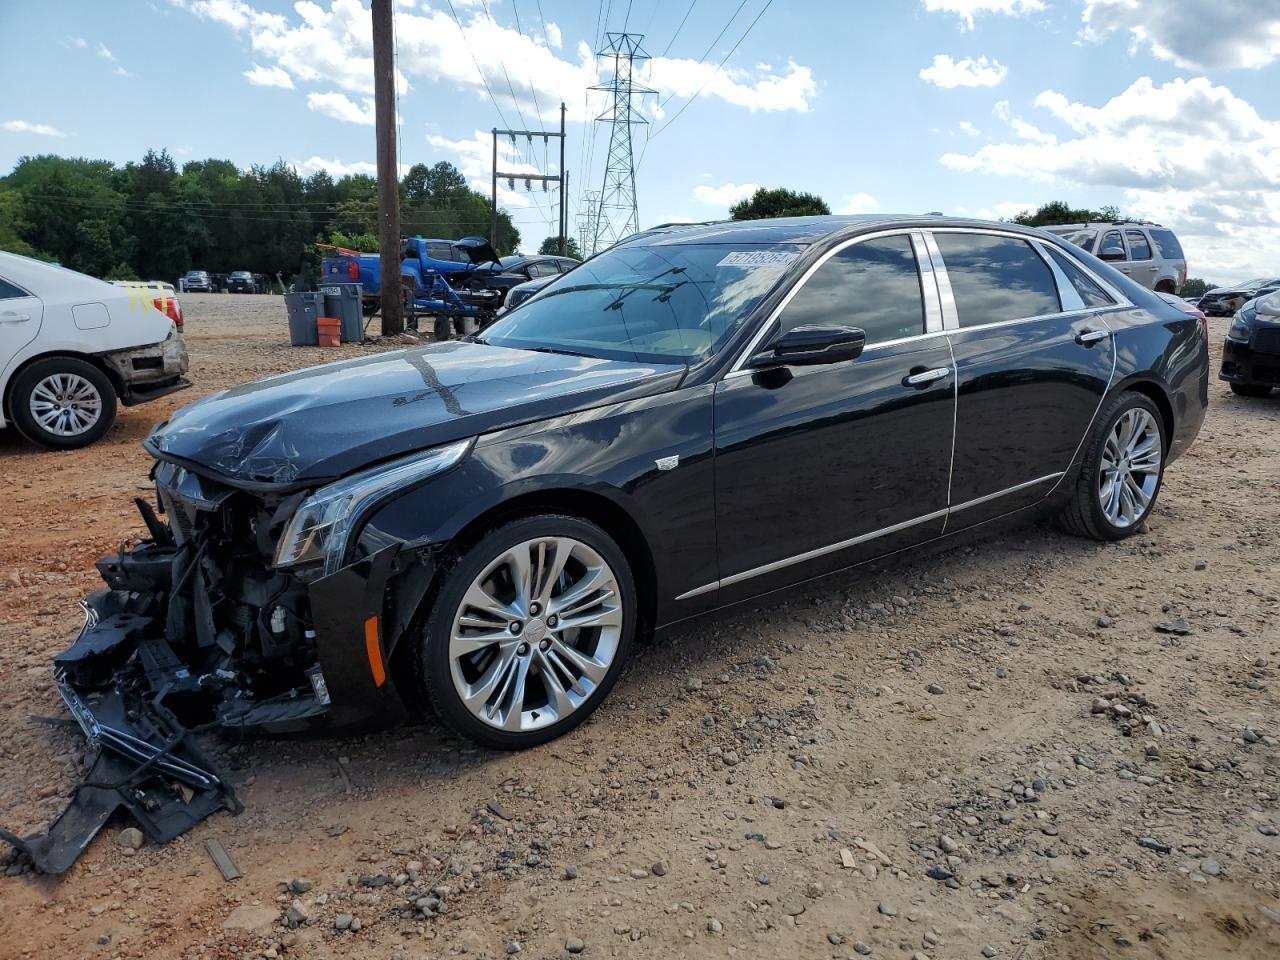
(342, 302)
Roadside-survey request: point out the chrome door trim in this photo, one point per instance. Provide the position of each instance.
(928, 285)
(739, 368)
(1068, 296)
(863, 538)
(928, 376)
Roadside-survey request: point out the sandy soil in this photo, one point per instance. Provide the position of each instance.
(779, 782)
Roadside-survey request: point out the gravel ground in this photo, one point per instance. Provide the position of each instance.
(1026, 747)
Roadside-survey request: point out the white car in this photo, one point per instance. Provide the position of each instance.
(71, 346)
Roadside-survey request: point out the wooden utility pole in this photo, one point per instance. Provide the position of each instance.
(384, 99)
(564, 185)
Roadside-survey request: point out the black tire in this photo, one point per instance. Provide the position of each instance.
(38, 373)
(431, 650)
(1083, 515)
(443, 328)
(1254, 390)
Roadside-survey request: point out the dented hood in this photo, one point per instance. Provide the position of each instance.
(324, 422)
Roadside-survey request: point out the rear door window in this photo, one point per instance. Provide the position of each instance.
(1092, 294)
(1167, 244)
(873, 285)
(1139, 248)
(1110, 239)
(9, 291)
(995, 279)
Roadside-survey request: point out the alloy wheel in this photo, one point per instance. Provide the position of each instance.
(1129, 471)
(535, 634)
(65, 404)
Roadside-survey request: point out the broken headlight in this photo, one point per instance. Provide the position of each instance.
(319, 527)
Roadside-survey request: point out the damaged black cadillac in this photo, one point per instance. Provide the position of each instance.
(701, 415)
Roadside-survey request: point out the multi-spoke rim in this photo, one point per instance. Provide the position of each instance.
(1130, 468)
(535, 634)
(65, 404)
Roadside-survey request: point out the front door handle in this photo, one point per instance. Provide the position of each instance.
(14, 317)
(925, 377)
(1087, 338)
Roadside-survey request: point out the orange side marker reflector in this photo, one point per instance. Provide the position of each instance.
(373, 648)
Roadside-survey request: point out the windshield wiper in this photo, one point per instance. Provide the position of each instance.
(570, 353)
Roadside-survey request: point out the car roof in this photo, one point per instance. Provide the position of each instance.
(809, 230)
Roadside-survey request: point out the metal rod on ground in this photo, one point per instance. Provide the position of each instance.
(564, 180)
(384, 69)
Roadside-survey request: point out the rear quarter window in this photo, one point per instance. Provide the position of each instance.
(994, 279)
(1139, 247)
(1167, 244)
(1092, 294)
(10, 291)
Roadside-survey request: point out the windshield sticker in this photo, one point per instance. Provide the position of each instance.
(760, 258)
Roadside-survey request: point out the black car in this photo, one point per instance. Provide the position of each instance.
(510, 272)
(523, 291)
(1251, 352)
(241, 281)
(700, 415)
(1225, 301)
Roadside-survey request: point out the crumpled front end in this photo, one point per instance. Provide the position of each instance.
(198, 630)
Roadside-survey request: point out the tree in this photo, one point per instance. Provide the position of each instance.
(551, 247)
(779, 202)
(1195, 287)
(1059, 211)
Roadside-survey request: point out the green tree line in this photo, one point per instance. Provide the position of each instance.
(151, 220)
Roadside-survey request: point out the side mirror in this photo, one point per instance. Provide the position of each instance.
(1112, 251)
(812, 345)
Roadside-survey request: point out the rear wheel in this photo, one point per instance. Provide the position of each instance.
(1250, 390)
(1122, 471)
(63, 403)
(529, 631)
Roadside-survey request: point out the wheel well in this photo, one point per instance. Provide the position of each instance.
(1156, 395)
(110, 374)
(1166, 286)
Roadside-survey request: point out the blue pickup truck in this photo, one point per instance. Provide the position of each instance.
(474, 274)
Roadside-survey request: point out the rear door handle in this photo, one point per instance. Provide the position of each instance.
(926, 377)
(1087, 338)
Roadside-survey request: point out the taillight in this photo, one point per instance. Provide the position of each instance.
(353, 270)
(170, 307)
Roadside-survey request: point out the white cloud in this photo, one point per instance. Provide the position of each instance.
(341, 107)
(967, 127)
(1021, 128)
(947, 73)
(859, 203)
(474, 157)
(333, 46)
(1194, 34)
(110, 57)
(336, 168)
(78, 42)
(966, 10)
(261, 76)
(39, 129)
(1189, 153)
(725, 195)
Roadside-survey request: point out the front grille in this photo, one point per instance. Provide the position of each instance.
(1267, 341)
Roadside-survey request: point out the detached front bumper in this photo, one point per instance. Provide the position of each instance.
(1255, 363)
(156, 370)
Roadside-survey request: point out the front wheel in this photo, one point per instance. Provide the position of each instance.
(1250, 390)
(529, 631)
(63, 403)
(1122, 471)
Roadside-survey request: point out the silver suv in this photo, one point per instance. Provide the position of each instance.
(1145, 251)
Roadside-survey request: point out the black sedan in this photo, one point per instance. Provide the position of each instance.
(701, 415)
(1251, 353)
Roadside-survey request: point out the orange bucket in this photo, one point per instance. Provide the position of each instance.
(329, 330)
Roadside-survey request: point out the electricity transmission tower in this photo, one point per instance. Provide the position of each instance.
(616, 211)
(588, 213)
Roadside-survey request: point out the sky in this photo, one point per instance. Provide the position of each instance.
(1169, 110)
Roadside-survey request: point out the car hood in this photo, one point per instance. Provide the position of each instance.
(320, 423)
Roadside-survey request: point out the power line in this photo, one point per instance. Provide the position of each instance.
(679, 28)
(715, 72)
(479, 70)
(510, 89)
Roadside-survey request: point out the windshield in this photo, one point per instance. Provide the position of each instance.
(654, 303)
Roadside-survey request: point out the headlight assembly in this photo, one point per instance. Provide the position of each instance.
(319, 527)
(1240, 329)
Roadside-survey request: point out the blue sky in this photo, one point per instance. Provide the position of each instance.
(1168, 110)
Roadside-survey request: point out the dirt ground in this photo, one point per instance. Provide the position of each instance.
(1027, 747)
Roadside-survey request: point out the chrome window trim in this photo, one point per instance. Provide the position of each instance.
(862, 538)
(928, 284)
(1068, 296)
(1120, 299)
(738, 368)
(950, 317)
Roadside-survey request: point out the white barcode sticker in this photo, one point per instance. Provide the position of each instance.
(757, 258)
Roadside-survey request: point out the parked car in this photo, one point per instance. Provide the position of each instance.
(1251, 352)
(523, 291)
(242, 281)
(1142, 250)
(196, 281)
(1226, 301)
(71, 346)
(694, 418)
